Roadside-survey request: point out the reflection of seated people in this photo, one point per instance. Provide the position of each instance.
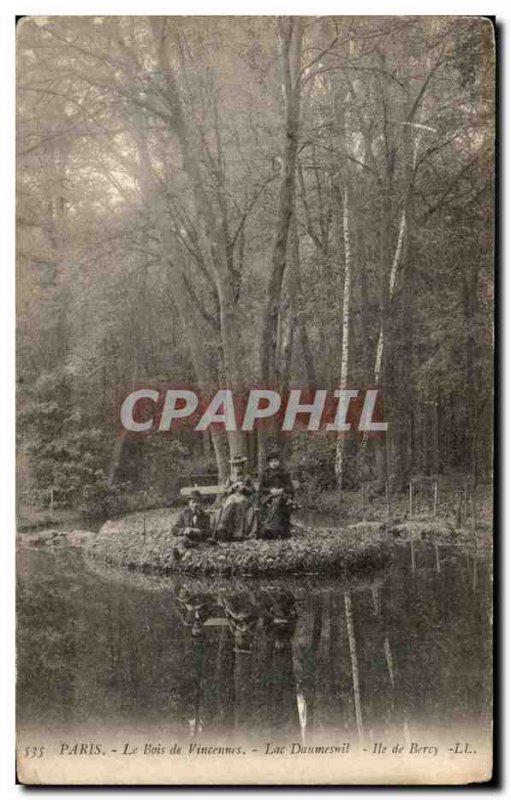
(194, 608)
(242, 614)
(285, 701)
(280, 616)
(192, 526)
(206, 681)
(237, 514)
(276, 498)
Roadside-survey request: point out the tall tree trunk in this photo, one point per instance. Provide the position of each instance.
(345, 349)
(290, 44)
(144, 178)
(405, 327)
(214, 234)
(290, 40)
(290, 328)
(138, 305)
(381, 447)
(378, 364)
(194, 337)
(185, 310)
(308, 357)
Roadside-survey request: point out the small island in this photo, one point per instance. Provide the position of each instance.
(144, 542)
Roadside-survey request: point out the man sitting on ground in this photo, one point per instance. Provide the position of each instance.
(193, 526)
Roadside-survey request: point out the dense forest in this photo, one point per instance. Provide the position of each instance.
(235, 201)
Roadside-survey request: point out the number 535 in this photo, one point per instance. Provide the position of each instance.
(34, 752)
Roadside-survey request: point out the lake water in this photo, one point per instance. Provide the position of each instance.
(405, 649)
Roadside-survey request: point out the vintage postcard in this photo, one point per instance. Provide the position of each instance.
(255, 262)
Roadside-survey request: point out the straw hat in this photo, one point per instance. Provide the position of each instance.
(237, 459)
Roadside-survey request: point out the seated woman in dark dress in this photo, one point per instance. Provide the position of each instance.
(276, 493)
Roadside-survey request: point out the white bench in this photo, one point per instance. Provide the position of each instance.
(217, 489)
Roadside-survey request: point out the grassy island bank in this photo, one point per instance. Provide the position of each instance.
(143, 542)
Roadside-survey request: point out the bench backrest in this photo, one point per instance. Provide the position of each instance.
(218, 489)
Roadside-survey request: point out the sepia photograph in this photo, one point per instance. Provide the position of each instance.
(255, 266)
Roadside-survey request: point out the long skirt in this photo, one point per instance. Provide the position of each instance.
(236, 519)
(276, 519)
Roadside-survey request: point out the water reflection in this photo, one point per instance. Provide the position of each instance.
(285, 660)
(250, 660)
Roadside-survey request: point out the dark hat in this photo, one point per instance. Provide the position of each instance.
(273, 454)
(237, 459)
(195, 495)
